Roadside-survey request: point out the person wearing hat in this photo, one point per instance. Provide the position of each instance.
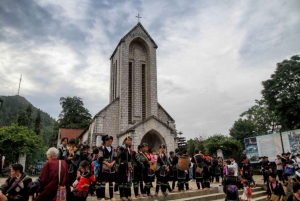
(125, 170)
(162, 172)
(175, 167)
(198, 160)
(147, 174)
(73, 158)
(106, 160)
(138, 172)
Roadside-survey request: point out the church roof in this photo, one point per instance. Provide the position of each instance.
(159, 105)
(144, 121)
(83, 131)
(135, 27)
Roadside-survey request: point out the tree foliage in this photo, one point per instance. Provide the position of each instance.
(229, 145)
(181, 142)
(243, 128)
(15, 110)
(262, 117)
(282, 92)
(16, 139)
(37, 123)
(73, 115)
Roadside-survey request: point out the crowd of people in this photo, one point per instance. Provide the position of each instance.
(287, 170)
(83, 171)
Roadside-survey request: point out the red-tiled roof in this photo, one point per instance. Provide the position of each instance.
(69, 133)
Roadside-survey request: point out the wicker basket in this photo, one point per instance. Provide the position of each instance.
(183, 163)
(153, 166)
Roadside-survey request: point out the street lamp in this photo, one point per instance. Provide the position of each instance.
(279, 126)
(1, 103)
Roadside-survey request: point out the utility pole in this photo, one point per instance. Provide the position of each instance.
(19, 85)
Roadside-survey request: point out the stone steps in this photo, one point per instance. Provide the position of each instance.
(214, 194)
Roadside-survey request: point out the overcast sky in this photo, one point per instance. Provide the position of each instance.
(211, 59)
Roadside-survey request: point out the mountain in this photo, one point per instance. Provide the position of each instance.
(13, 104)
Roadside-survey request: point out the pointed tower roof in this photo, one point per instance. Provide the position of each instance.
(134, 28)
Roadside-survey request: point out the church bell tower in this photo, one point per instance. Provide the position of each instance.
(134, 77)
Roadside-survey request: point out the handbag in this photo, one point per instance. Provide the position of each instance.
(274, 197)
(75, 183)
(198, 169)
(61, 194)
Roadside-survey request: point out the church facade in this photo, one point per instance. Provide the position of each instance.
(133, 109)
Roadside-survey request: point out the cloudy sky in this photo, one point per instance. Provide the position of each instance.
(212, 55)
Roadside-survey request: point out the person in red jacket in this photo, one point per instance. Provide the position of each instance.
(49, 177)
(82, 186)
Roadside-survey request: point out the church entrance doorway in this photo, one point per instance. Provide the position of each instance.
(154, 140)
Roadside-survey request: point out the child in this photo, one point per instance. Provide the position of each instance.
(153, 156)
(153, 163)
(85, 179)
(247, 194)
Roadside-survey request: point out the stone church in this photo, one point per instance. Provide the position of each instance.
(133, 109)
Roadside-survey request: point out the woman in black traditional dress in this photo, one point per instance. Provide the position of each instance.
(147, 174)
(107, 159)
(138, 171)
(125, 170)
(73, 157)
(16, 187)
(162, 173)
(198, 161)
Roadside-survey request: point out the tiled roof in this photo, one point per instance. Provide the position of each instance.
(69, 133)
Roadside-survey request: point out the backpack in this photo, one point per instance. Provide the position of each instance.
(289, 169)
(96, 167)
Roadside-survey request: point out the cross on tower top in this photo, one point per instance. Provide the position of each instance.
(138, 16)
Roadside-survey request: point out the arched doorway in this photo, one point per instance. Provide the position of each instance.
(153, 139)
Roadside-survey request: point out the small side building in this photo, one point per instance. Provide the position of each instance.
(69, 133)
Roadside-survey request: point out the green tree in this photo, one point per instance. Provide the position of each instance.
(243, 128)
(191, 146)
(229, 145)
(181, 141)
(262, 117)
(23, 119)
(74, 114)
(37, 123)
(53, 139)
(282, 92)
(16, 139)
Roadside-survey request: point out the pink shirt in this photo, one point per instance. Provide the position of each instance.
(153, 157)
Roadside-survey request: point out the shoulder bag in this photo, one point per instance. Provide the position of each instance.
(61, 194)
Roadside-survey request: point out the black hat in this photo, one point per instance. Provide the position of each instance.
(288, 153)
(144, 145)
(128, 137)
(72, 141)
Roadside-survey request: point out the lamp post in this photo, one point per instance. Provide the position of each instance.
(1, 103)
(279, 126)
